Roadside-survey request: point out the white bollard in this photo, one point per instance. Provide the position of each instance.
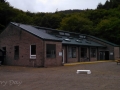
(82, 71)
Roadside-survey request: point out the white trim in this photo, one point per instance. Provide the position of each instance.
(32, 56)
(63, 56)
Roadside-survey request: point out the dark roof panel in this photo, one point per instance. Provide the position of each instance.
(78, 39)
(104, 41)
(35, 31)
(84, 42)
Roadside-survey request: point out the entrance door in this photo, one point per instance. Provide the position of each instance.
(102, 54)
(106, 55)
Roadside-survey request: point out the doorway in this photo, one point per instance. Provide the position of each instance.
(104, 55)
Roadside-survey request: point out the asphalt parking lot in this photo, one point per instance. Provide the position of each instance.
(104, 76)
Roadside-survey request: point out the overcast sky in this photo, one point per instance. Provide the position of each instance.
(53, 5)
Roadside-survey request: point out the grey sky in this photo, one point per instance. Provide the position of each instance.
(53, 5)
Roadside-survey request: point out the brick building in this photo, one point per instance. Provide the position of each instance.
(28, 45)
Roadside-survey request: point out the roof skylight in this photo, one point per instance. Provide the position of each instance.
(67, 40)
(61, 33)
(88, 42)
(67, 34)
(82, 36)
(70, 37)
(58, 36)
(80, 41)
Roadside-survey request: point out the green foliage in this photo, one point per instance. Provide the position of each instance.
(76, 23)
(109, 4)
(103, 22)
(109, 29)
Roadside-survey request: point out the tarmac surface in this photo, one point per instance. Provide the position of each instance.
(104, 76)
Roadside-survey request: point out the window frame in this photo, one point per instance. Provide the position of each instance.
(16, 52)
(4, 48)
(84, 53)
(93, 54)
(32, 56)
(71, 52)
(51, 53)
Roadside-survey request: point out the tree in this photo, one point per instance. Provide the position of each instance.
(2, 1)
(109, 29)
(76, 23)
(100, 6)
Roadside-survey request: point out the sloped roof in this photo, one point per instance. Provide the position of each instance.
(110, 43)
(35, 31)
(77, 41)
(38, 31)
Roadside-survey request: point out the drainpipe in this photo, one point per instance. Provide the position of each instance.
(43, 62)
(89, 54)
(33, 63)
(66, 54)
(63, 56)
(78, 54)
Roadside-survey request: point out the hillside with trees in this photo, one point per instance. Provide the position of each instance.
(103, 22)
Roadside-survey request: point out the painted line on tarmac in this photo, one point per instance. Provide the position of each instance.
(94, 62)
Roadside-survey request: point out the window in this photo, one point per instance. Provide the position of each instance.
(93, 52)
(50, 50)
(33, 52)
(72, 52)
(82, 36)
(4, 48)
(80, 41)
(16, 52)
(83, 52)
(68, 40)
(67, 34)
(1, 54)
(61, 33)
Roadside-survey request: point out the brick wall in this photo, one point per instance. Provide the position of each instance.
(109, 47)
(116, 53)
(78, 55)
(66, 58)
(57, 61)
(14, 36)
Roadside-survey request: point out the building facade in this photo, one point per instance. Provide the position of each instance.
(28, 45)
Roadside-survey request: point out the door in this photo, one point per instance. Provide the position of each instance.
(106, 55)
(102, 54)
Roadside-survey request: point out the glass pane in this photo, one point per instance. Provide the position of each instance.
(50, 50)
(33, 49)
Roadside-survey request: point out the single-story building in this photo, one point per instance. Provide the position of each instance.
(29, 45)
